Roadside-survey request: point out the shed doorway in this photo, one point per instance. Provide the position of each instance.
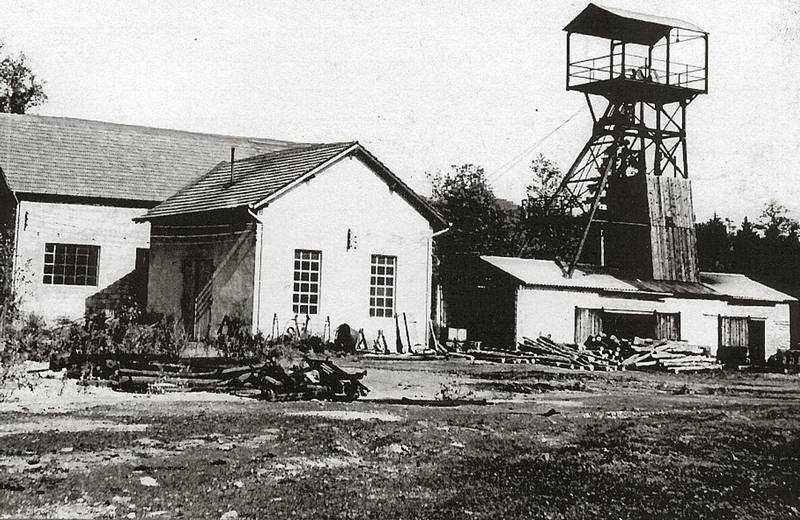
(197, 297)
(741, 339)
(626, 324)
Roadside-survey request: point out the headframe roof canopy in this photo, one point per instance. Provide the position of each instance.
(627, 26)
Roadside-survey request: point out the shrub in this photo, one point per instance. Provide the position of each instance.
(126, 331)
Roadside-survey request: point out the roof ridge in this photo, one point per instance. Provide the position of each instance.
(295, 149)
(333, 150)
(156, 129)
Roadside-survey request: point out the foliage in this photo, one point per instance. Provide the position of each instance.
(126, 331)
(775, 222)
(714, 245)
(234, 339)
(545, 232)
(479, 223)
(767, 251)
(20, 90)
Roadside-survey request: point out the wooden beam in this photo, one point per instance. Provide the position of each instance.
(595, 203)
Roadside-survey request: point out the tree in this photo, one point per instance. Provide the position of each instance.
(776, 223)
(714, 245)
(479, 223)
(545, 232)
(20, 90)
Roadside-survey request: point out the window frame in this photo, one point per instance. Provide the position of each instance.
(71, 252)
(298, 306)
(375, 310)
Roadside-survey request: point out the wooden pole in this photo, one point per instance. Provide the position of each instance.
(408, 338)
(398, 343)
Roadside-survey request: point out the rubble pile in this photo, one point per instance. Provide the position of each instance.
(309, 378)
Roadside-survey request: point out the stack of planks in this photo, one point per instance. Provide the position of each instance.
(665, 355)
(605, 353)
(544, 351)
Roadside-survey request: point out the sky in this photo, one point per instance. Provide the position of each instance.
(421, 84)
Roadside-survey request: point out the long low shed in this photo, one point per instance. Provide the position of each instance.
(530, 297)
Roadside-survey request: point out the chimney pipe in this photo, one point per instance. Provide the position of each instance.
(233, 158)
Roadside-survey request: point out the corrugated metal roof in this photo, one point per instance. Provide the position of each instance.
(741, 287)
(255, 178)
(629, 26)
(674, 287)
(81, 158)
(531, 271)
(546, 273)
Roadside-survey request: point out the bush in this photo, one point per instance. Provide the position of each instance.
(127, 331)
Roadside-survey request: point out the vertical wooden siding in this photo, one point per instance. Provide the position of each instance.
(734, 331)
(588, 322)
(672, 235)
(668, 326)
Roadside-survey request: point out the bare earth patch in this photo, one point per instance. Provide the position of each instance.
(568, 447)
(350, 415)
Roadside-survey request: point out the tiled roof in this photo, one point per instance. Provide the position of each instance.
(546, 273)
(75, 157)
(255, 178)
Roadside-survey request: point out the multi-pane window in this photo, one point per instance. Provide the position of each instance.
(305, 290)
(383, 270)
(70, 264)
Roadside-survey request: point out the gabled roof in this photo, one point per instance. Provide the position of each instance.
(546, 273)
(628, 26)
(59, 156)
(258, 179)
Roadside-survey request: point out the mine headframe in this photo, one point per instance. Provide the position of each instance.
(647, 69)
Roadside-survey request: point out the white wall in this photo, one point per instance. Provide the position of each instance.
(111, 228)
(316, 215)
(552, 312)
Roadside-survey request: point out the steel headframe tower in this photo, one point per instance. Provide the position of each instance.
(630, 60)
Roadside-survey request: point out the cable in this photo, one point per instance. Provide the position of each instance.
(506, 167)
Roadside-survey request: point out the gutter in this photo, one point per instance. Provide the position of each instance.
(259, 262)
(442, 231)
(16, 241)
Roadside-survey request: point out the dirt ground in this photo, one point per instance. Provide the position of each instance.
(546, 444)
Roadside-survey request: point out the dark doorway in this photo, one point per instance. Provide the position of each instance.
(624, 325)
(756, 342)
(141, 276)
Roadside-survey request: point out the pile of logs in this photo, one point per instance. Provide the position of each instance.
(544, 351)
(307, 378)
(645, 353)
(604, 353)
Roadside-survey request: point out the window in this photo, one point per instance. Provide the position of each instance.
(305, 291)
(70, 264)
(381, 286)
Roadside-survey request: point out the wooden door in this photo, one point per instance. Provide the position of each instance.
(201, 300)
(588, 322)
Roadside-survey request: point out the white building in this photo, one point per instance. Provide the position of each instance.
(506, 299)
(69, 189)
(305, 237)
